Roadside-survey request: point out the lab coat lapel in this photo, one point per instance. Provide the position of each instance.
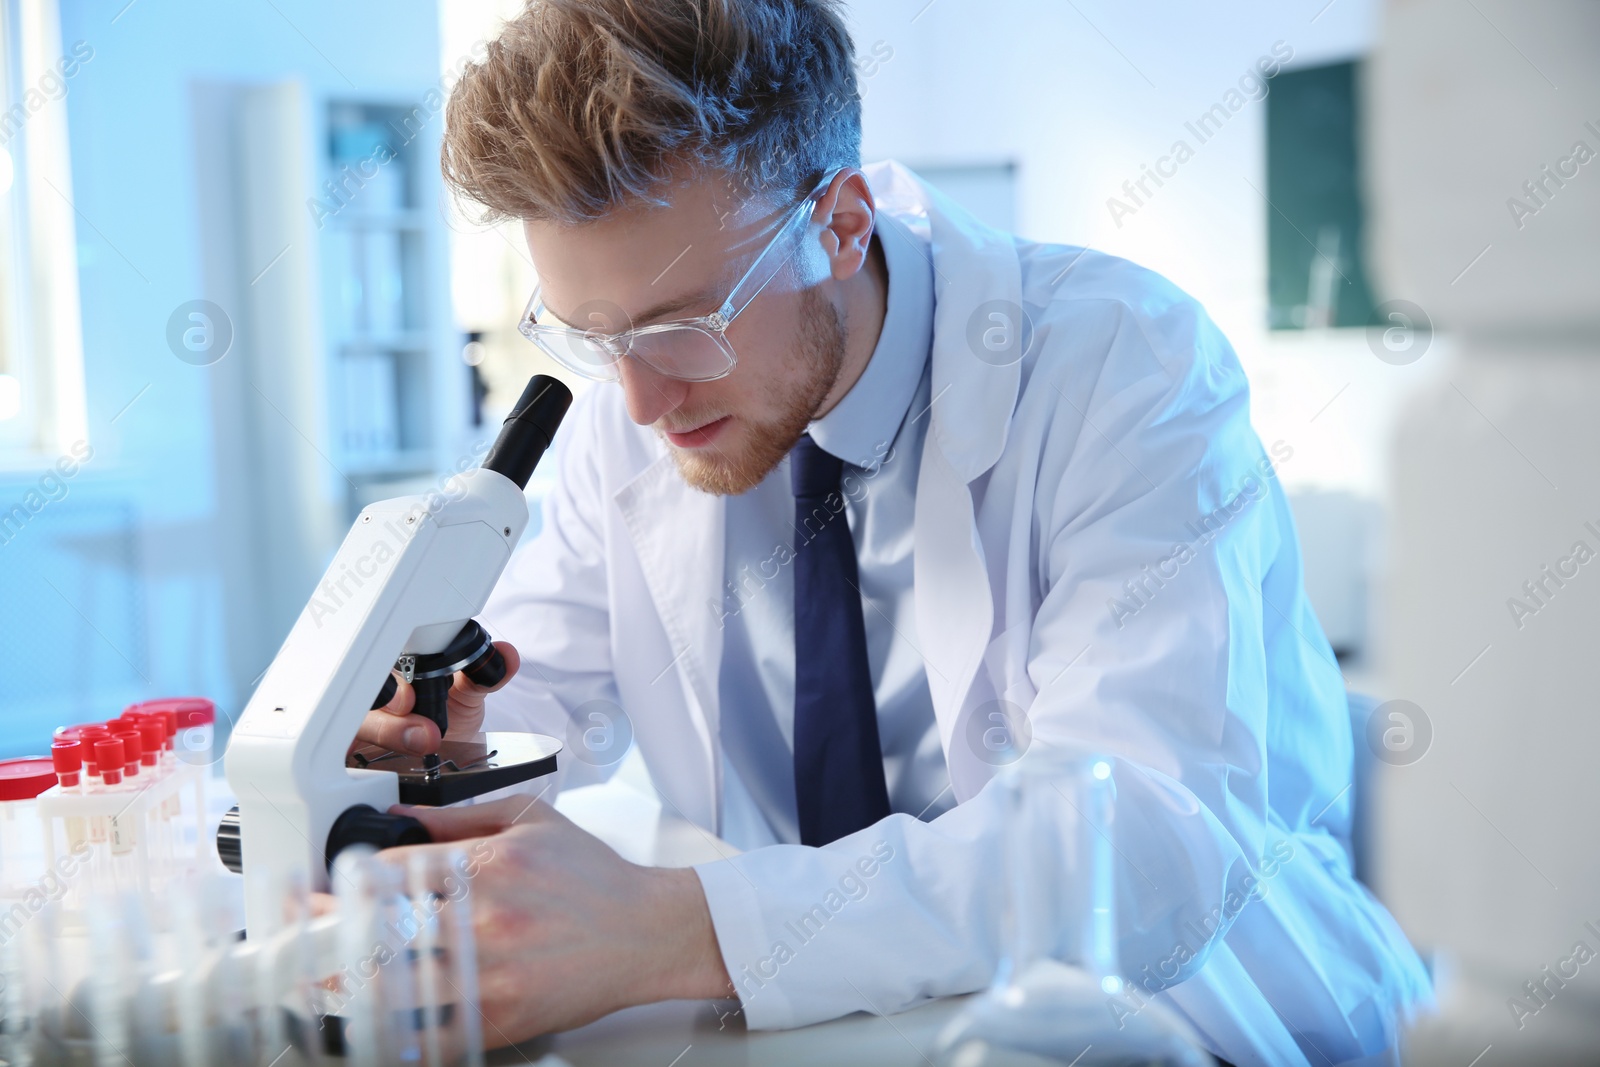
(677, 534)
(976, 272)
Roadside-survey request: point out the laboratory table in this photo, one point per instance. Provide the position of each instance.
(687, 1033)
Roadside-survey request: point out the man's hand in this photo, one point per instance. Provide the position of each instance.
(567, 930)
(394, 727)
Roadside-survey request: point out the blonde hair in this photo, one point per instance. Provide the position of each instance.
(580, 107)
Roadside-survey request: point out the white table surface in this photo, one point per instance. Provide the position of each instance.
(699, 1033)
(1472, 1019)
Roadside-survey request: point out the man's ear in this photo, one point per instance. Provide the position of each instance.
(848, 212)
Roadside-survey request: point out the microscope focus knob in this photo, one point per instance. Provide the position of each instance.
(359, 825)
(229, 850)
(431, 675)
(365, 825)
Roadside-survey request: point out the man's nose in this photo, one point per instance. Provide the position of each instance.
(649, 395)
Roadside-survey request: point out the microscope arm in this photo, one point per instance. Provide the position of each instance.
(410, 575)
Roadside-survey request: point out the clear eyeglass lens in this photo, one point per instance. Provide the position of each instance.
(688, 353)
(585, 355)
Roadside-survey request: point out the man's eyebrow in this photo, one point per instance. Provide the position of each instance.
(678, 303)
(665, 307)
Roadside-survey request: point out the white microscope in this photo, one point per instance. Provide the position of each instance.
(398, 599)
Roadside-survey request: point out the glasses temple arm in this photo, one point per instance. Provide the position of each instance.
(734, 304)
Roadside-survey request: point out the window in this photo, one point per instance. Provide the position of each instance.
(41, 346)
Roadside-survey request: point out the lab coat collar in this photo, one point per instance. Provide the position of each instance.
(976, 274)
(866, 420)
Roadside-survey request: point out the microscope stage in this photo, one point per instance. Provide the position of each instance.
(465, 769)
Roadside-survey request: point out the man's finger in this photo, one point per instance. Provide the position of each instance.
(387, 729)
(476, 820)
(404, 699)
(469, 694)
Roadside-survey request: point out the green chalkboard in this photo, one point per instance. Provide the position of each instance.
(1316, 224)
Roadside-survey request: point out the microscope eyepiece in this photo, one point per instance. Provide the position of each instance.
(529, 429)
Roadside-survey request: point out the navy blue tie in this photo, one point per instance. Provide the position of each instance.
(838, 763)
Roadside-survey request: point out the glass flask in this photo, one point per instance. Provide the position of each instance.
(1058, 996)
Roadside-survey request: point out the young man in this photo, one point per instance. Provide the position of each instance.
(880, 499)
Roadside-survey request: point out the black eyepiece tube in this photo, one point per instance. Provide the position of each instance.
(529, 429)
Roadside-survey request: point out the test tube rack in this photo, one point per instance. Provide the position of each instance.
(388, 975)
(141, 838)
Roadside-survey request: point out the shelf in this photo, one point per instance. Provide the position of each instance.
(396, 385)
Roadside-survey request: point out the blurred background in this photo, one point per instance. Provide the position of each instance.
(235, 307)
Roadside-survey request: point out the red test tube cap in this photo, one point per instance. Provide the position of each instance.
(111, 757)
(132, 744)
(89, 734)
(67, 756)
(154, 734)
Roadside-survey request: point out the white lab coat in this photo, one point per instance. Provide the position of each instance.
(1045, 486)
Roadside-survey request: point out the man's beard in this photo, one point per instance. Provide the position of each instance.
(820, 350)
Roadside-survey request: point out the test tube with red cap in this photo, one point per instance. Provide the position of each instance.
(170, 719)
(141, 758)
(153, 731)
(68, 758)
(112, 755)
(192, 725)
(125, 826)
(191, 733)
(88, 734)
(165, 718)
(127, 732)
(172, 807)
(152, 737)
(169, 729)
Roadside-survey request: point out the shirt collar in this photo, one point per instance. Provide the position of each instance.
(864, 423)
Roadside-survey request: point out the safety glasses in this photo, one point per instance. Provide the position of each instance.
(692, 349)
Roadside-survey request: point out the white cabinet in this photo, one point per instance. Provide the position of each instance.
(397, 386)
(348, 381)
